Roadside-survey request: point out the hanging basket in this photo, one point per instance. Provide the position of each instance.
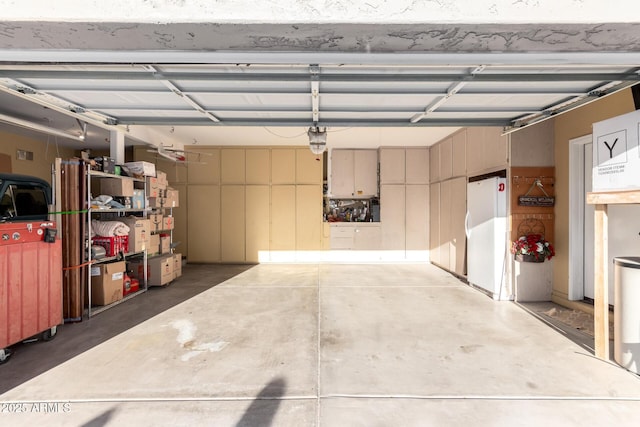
(528, 258)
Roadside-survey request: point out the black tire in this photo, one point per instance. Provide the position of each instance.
(49, 334)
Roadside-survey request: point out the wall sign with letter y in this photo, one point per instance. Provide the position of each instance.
(616, 153)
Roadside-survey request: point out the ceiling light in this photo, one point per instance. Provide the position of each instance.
(317, 140)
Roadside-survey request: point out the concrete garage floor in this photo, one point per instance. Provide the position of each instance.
(314, 345)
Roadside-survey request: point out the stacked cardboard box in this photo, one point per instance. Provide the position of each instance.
(107, 283)
(159, 270)
(139, 233)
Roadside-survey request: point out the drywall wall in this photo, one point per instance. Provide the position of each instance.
(568, 126)
(43, 155)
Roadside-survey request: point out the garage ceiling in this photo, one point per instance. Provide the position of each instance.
(293, 95)
(178, 81)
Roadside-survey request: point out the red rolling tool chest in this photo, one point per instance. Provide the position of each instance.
(30, 263)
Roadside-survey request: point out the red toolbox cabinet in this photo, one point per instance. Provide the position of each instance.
(30, 262)
(30, 282)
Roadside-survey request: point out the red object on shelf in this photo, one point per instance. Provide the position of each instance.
(113, 245)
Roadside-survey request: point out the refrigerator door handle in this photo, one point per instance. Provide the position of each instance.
(467, 231)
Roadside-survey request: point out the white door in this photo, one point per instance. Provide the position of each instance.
(587, 256)
(624, 229)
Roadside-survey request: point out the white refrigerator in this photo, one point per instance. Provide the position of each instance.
(486, 227)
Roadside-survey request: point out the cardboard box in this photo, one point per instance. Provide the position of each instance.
(152, 186)
(141, 168)
(159, 270)
(165, 243)
(122, 187)
(168, 223)
(172, 198)
(162, 179)
(107, 283)
(139, 233)
(156, 222)
(156, 202)
(154, 244)
(177, 265)
(138, 199)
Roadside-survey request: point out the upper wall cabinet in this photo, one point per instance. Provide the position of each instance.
(232, 165)
(258, 166)
(354, 173)
(205, 171)
(487, 150)
(446, 159)
(283, 166)
(417, 165)
(459, 156)
(392, 165)
(308, 167)
(434, 163)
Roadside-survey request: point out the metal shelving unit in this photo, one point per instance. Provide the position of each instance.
(91, 311)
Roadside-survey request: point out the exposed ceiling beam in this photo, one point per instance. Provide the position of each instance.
(298, 110)
(328, 77)
(454, 89)
(173, 88)
(542, 59)
(292, 91)
(432, 122)
(315, 93)
(567, 105)
(41, 128)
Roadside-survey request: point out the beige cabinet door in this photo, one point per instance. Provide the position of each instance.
(283, 166)
(367, 238)
(434, 163)
(283, 218)
(475, 150)
(444, 250)
(434, 223)
(308, 167)
(257, 222)
(392, 166)
(179, 235)
(365, 173)
(392, 216)
(203, 228)
(458, 246)
(417, 217)
(232, 223)
(204, 169)
(487, 150)
(342, 178)
(258, 166)
(446, 159)
(308, 217)
(496, 149)
(459, 151)
(417, 165)
(232, 166)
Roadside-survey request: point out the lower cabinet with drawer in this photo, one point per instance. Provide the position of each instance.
(355, 236)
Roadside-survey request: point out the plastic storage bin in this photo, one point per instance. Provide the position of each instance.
(627, 313)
